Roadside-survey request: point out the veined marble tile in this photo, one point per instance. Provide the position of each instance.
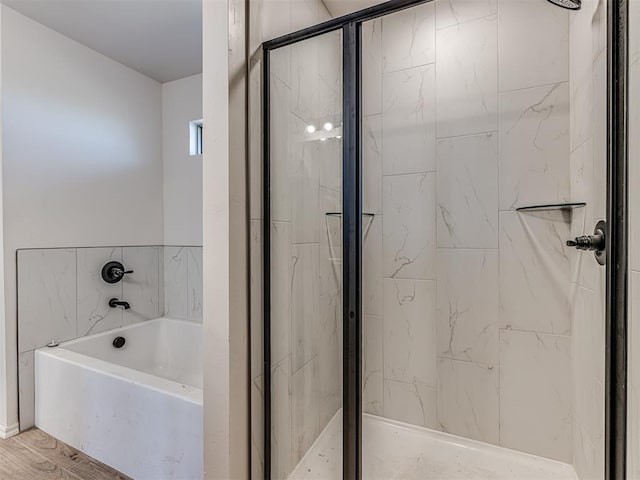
(281, 136)
(535, 394)
(304, 13)
(305, 409)
(142, 287)
(408, 136)
(634, 33)
(409, 38)
(372, 164)
(257, 429)
(46, 297)
(93, 293)
(468, 399)
(409, 230)
(305, 304)
(26, 390)
(409, 331)
(276, 18)
(256, 301)
(455, 12)
(534, 272)
(281, 284)
(372, 366)
(194, 283)
(305, 182)
(281, 444)
(330, 79)
(412, 403)
(584, 270)
(600, 135)
(468, 314)
(255, 139)
(468, 191)
(372, 67)
(589, 361)
(588, 459)
(581, 79)
(305, 80)
(534, 146)
(329, 157)
(467, 78)
(329, 367)
(330, 240)
(372, 265)
(530, 56)
(176, 303)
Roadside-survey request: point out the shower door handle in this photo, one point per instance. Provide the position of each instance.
(593, 243)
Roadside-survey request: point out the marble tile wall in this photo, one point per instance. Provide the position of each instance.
(587, 90)
(62, 296)
(467, 324)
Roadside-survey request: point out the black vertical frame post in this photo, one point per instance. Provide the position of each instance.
(618, 249)
(266, 261)
(352, 255)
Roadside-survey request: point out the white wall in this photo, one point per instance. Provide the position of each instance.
(82, 154)
(181, 104)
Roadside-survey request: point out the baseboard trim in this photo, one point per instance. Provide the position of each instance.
(7, 431)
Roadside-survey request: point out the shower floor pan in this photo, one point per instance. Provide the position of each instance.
(397, 450)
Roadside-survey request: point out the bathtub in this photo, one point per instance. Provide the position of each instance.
(138, 408)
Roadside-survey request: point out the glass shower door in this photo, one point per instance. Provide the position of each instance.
(304, 339)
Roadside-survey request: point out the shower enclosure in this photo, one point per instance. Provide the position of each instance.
(424, 165)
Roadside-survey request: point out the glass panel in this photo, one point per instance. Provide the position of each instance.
(306, 257)
(479, 321)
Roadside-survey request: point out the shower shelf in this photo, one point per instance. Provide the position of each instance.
(552, 206)
(339, 214)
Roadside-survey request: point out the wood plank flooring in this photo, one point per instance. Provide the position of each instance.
(35, 455)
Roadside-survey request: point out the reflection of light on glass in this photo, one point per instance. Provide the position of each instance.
(311, 129)
(323, 139)
(338, 137)
(328, 126)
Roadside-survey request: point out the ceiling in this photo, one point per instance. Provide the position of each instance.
(338, 8)
(161, 39)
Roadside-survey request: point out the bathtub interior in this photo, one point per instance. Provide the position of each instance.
(164, 347)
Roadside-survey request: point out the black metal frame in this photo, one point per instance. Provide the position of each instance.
(617, 216)
(617, 275)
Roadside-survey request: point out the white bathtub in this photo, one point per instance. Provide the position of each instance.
(138, 408)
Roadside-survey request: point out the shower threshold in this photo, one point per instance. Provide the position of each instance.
(394, 450)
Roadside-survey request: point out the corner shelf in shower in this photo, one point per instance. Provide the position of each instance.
(552, 206)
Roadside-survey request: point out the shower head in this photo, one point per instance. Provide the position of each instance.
(570, 4)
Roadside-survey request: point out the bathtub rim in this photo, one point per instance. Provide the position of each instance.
(130, 375)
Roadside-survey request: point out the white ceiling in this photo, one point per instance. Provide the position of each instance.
(338, 8)
(159, 38)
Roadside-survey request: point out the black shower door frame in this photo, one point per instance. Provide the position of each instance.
(617, 232)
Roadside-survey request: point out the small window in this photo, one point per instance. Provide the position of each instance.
(195, 136)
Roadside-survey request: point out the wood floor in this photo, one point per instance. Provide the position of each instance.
(34, 455)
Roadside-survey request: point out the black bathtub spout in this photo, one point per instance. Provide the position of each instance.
(114, 302)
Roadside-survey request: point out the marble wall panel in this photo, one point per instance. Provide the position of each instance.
(409, 229)
(535, 394)
(468, 315)
(468, 399)
(468, 191)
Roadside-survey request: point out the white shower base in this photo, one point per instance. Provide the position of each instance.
(394, 450)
